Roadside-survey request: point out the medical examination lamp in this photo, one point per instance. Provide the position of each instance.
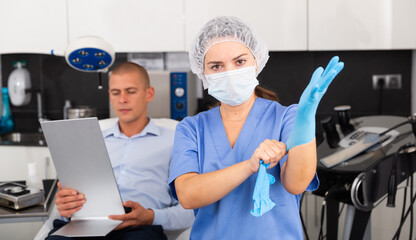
(89, 54)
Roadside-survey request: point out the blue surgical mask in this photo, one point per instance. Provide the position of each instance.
(232, 87)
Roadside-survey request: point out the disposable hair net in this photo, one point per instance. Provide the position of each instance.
(221, 29)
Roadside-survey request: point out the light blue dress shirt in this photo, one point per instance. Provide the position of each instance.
(141, 168)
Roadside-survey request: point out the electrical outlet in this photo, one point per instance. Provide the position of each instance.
(395, 81)
(380, 80)
(387, 81)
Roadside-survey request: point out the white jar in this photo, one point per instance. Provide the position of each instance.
(33, 178)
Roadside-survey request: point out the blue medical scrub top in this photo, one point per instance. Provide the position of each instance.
(201, 145)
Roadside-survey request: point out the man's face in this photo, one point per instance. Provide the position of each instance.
(129, 96)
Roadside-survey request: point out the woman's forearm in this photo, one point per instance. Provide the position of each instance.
(198, 190)
(300, 167)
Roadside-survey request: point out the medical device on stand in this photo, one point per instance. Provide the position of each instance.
(361, 162)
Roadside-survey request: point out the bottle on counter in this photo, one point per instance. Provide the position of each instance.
(33, 178)
(67, 105)
(6, 120)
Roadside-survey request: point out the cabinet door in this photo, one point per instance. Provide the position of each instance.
(28, 26)
(356, 24)
(280, 23)
(130, 25)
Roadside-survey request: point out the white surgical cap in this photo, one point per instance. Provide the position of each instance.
(221, 29)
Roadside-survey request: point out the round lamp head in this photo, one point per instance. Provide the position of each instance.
(90, 54)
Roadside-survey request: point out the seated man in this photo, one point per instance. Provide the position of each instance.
(140, 153)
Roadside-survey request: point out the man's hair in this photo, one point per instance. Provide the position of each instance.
(129, 67)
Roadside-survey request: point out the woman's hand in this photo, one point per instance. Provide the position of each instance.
(303, 130)
(270, 151)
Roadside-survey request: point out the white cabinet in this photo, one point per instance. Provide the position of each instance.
(361, 25)
(32, 26)
(130, 25)
(14, 161)
(282, 24)
(28, 26)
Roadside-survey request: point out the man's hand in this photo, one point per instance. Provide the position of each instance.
(137, 217)
(68, 201)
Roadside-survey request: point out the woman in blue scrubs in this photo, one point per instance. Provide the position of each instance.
(217, 153)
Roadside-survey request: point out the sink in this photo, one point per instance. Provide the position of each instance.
(23, 138)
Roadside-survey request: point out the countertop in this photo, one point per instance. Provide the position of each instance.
(35, 213)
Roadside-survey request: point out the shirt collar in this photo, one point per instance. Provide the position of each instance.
(150, 128)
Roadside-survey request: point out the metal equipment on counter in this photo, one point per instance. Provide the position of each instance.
(17, 196)
(35, 213)
(81, 112)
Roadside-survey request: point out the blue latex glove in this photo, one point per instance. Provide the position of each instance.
(262, 201)
(303, 130)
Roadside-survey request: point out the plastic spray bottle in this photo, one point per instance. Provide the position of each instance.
(6, 120)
